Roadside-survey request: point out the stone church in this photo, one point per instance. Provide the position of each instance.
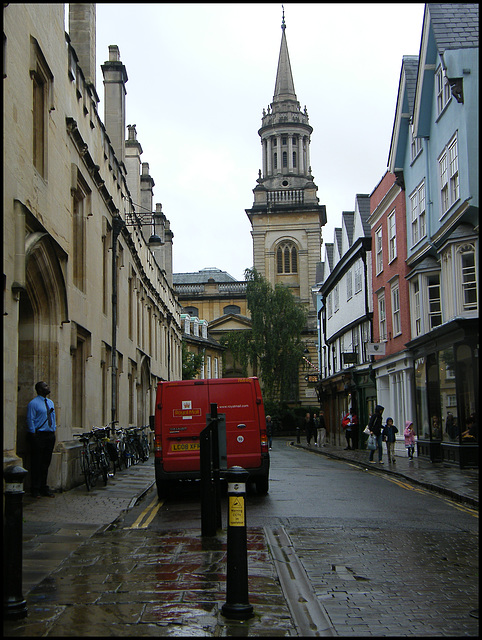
(286, 217)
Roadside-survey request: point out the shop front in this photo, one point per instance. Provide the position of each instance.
(446, 379)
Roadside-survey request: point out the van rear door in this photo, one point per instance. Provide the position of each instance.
(184, 407)
(237, 399)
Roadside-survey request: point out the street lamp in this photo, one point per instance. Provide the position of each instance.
(144, 219)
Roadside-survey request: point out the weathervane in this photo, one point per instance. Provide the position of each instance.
(283, 25)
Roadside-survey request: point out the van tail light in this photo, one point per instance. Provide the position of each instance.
(264, 441)
(158, 447)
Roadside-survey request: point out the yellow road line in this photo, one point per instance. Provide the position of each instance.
(137, 523)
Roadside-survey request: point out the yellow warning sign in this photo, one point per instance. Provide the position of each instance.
(236, 511)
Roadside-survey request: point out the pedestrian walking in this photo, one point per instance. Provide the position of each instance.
(350, 424)
(309, 424)
(316, 425)
(375, 427)
(41, 429)
(269, 431)
(322, 429)
(409, 435)
(389, 435)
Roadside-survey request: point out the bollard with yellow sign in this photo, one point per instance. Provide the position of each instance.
(237, 600)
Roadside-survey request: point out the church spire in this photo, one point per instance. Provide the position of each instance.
(284, 86)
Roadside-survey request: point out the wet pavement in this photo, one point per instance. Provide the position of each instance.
(458, 484)
(86, 575)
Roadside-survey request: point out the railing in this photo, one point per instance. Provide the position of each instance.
(291, 196)
(239, 287)
(189, 288)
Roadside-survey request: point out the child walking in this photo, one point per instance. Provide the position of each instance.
(388, 434)
(409, 435)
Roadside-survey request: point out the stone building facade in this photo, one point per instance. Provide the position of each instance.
(88, 304)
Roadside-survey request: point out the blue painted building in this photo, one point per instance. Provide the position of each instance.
(434, 154)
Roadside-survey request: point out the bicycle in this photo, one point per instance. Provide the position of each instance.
(144, 444)
(87, 462)
(101, 436)
(130, 452)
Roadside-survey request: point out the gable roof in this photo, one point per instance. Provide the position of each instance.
(403, 112)
(447, 27)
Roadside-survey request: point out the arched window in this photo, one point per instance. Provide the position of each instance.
(275, 161)
(287, 258)
(294, 158)
(285, 159)
(232, 308)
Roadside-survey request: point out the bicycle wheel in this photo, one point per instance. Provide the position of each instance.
(103, 465)
(85, 466)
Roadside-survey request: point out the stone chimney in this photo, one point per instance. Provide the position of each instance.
(82, 37)
(133, 165)
(115, 78)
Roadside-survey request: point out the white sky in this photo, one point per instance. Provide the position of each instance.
(199, 78)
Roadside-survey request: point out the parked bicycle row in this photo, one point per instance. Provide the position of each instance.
(105, 449)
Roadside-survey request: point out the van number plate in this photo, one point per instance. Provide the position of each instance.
(185, 446)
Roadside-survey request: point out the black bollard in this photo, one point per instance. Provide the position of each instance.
(237, 600)
(298, 440)
(14, 604)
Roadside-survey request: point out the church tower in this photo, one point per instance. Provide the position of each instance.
(286, 218)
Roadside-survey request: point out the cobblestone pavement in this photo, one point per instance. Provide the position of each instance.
(84, 576)
(368, 586)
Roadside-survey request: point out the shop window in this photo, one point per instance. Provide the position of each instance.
(467, 377)
(420, 424)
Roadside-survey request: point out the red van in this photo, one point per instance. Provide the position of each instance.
(180, 416)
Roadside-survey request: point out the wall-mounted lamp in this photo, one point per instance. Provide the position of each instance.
(144, 219)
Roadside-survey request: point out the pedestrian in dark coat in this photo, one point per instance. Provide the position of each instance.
(389, 435)
(309, 427)
(375, 427)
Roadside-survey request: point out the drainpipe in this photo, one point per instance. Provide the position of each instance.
(117, 225)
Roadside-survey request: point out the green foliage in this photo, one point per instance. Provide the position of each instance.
(191, 363)
(273, 344)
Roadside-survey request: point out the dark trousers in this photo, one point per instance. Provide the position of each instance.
(41, 447)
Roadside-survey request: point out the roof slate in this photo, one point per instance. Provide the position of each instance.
(455, 24)
(202, 277)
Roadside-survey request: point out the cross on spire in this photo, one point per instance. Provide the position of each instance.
(283, 25)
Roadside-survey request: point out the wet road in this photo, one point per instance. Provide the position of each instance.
(334, 549)
(383, 556)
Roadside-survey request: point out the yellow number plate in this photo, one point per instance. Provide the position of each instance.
(185, 446)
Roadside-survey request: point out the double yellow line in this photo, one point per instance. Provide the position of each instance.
(148, 513)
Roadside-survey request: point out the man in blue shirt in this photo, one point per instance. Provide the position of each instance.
(41, 432)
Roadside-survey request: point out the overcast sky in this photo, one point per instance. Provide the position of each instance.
(199, 78)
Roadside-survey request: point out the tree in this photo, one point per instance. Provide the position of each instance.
(191, 363)
(274, 342)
